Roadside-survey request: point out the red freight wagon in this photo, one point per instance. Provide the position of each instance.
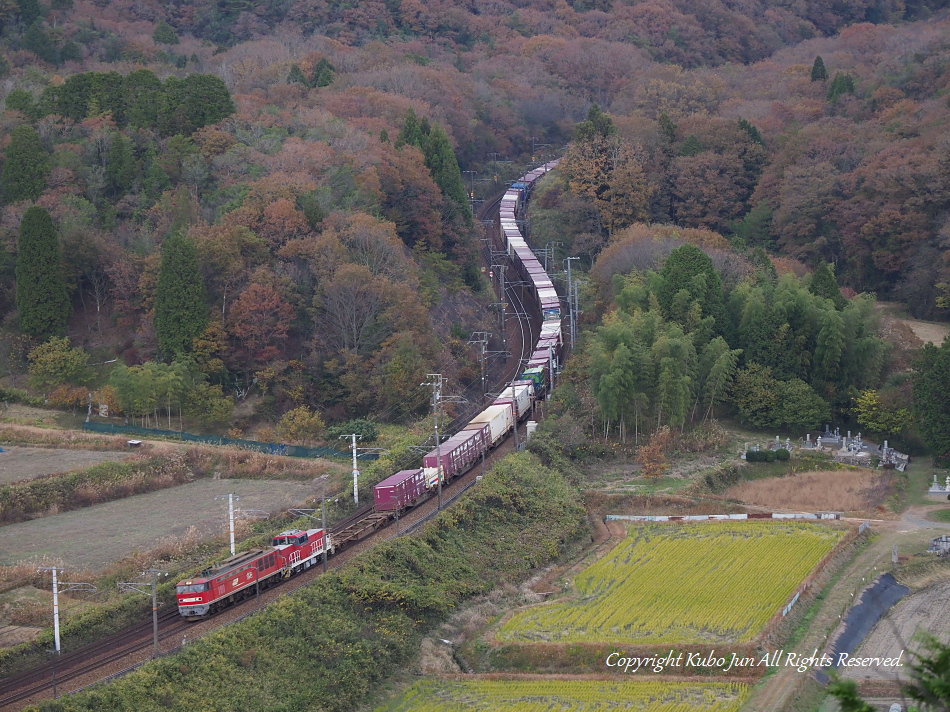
(399, 491)
(233, 580)
(454, 455)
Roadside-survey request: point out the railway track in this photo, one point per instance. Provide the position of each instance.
(124, 650)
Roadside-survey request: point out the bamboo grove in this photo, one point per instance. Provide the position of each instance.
(679, 342)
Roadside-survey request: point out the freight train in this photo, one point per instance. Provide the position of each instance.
(245, 574)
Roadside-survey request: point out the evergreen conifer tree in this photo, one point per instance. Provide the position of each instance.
(37, 41)
(667, 127)
(842, 84)
(598, 124)
(296, 76)
(441, 162)
(29, 11)
(323, 74)
(42, 299)
(180, 310)
(120, 169)
(411, 132)
(27, 166)
(164, 34)
(818, 71)
(824, 284)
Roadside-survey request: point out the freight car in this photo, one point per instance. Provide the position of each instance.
(292, 551)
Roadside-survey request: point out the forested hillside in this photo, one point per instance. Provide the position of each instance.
(271, 198)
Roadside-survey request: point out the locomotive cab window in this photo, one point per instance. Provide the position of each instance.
(192, 588)
(302, 539)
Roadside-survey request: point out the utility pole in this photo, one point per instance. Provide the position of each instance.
(64, 587)
(135, 586)
(570, 295)
(481, 339)
(231, 497)
(436, 382)
(550, 249)
(356, 473)
(238, 514)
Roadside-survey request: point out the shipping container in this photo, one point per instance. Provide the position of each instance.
(455, 456)
(520, 396)
(501, 420)
(399, 491)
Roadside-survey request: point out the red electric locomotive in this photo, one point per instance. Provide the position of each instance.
(239, 576)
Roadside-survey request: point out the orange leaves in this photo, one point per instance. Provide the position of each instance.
(260, 319)
(652, 456)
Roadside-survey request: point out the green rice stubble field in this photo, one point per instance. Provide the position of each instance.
(94, 536)
(568, 696)
(701, 582)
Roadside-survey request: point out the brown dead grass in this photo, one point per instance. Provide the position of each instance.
(837, 490)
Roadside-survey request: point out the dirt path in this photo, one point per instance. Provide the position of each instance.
(916, 517)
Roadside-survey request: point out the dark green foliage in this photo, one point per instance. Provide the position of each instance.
(691, 146)
(62, 4)
(20, 100)
(931, 384)
(4, 66)
(180, 310)
(782, 454)
(667, 127)
(384, 136)
(752, 131)
(846, 692)
(689, 268)
(142, 92)
(754, 227)
(309, 205)
(364, 428)
(818, 71)
(597, 125)
(296, 76)
(193, 102)
(843, 83)
(323, 74)
(766, 402)
(164, 34)
(69, 52)
(139, 100)
(411, 132)
(41, 297)
(26, 167)
(441, 162)
(120, 169)
(823, 284)
(29, 11)
(37, 41)
(155, 179)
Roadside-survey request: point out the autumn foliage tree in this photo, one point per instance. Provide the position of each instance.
(652, 456)
(259, 319)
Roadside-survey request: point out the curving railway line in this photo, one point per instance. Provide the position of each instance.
(120, 652)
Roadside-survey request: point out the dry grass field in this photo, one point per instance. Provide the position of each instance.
(838, 490)
(24, 463)
(95, 536)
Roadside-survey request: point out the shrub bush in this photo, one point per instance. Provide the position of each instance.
(782, 454)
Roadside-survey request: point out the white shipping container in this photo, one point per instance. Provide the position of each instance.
(500, 419)
(520, 395)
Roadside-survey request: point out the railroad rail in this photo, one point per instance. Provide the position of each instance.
(356, 532)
